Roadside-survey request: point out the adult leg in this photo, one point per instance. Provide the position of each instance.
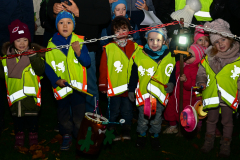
(92, 84)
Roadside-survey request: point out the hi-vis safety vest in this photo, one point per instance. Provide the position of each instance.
(203, 14)
(68, 68)
(28, 85)
(148, 68)
(225, 82)
(119, 68)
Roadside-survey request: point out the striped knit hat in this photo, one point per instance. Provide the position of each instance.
(199, 33)
(219, 25)
(199, 52)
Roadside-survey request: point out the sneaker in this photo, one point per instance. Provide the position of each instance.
(19, 140)
(171, 130)
(117, 135)
(141, 141)
(155, 144)
(33, 138)
(126, 134)
(67, 142)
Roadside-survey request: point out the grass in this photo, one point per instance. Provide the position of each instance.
(172, 147)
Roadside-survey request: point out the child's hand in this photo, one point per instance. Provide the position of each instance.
(30, 55)
(203, 85)
(183, 78)
(142, 5)
(61, 82)
(76, 48)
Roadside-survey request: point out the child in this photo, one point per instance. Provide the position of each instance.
(220, 85)
(190, 69)
(149, 62)
(114, 75)
(22, 77)
(65, 67)
(171, 114)
(119, 8)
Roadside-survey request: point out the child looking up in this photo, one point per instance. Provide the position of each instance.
(220, 80)
(66, 67)
(115, 62)
(150, 62)
(22, 77)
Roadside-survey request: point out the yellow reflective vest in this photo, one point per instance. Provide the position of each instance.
(28, 85)
(148, 68)
(119, 69)
(68, 68)
(203, 14)
(225, 82)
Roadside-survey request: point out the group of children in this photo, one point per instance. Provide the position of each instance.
(128, 73)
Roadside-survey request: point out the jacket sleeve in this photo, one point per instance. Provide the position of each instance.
(38, 64)
(103, 82)
(52, 76)
(201, 75)
(84, 58)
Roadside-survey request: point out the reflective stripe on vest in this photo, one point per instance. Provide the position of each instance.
(118, 69)
(163, 98)
(210, 101)
(17, 95)
(68, 68)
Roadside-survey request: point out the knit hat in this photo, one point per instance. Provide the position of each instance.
(17, 30)
(199, 33)
(65, 14)
(199, 52)
(114, 4)
(192, 6)
(161, 31)
(219, 25)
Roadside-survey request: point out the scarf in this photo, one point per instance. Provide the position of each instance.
(155, 54)
(123, 43)
(15, 69)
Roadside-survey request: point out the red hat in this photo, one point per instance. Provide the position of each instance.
(17, 30)
(199, 33)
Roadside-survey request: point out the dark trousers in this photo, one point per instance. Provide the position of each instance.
(70, 112)
(21, 123)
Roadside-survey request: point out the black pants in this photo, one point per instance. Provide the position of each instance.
(26, 122)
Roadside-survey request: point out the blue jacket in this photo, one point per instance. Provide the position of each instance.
(15, 9)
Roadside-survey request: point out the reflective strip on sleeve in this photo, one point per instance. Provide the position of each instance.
(202, 14)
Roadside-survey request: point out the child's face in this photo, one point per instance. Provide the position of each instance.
(155, 41)
(120, 10)
(21, 44)
(192, 59)
(222, 44)
(123, 29)
(203, 41)
(65, 27)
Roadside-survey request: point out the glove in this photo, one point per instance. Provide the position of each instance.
(131, 96)
(169, 88)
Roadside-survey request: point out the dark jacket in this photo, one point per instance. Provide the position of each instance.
(92, 14)
(15, 9)
(228, 11)
(28, 105)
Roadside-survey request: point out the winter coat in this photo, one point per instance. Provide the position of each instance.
(172, 110)
(217, 63)
(27, 104)
(92, 14)
(15, 9)
(228, 11)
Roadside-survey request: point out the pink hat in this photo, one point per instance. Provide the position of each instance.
(189, 118)
(17, 30)
(199, 33)
(199, 52)
(218, 25)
